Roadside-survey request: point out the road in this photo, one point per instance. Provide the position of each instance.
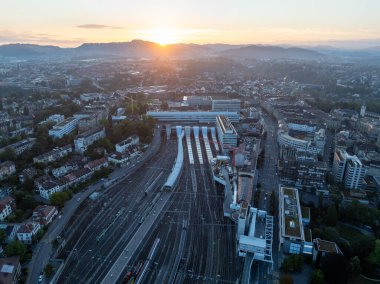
(44, 250)
(197, 242)
(268, 178)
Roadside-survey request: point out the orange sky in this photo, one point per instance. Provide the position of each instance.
(72, 22)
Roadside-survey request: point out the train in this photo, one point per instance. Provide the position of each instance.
(133, 274)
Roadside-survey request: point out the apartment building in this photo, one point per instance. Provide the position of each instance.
(226, 132)
(82, 141)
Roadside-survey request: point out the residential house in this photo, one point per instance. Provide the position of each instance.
(7, 206)
(54, 155)
(10, 230)
(82, 141)
(28, 173)
(124, 145)
(44, 214)
(46, 186)
(26, 232)
(6, 169)
(10, 270)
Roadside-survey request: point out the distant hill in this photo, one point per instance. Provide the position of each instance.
(28, 50)
(271, 52)
(132, 49)
(146, 49)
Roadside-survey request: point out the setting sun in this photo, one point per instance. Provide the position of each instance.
(162, 36)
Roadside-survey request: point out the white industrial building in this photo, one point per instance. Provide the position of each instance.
(193, 116)
(255, 233)
(233, 105)
(63, 128)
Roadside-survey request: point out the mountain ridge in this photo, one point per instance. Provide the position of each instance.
(147, 49)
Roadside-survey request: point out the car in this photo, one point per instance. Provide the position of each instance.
(40, 278)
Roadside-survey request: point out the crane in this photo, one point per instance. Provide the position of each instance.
(132, 100)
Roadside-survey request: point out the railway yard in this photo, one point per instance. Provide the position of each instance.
(181, 233)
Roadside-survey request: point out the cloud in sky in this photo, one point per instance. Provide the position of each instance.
(7, 37)
(97, 26)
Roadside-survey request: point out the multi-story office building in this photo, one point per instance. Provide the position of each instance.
(82, 141)
(311, 175)
(339, 165)
(226, 132)
(315, 146)
(197, 101)
(63, 128)
(348, 170)
(354, 174)
(192, 116)
(294, 238)
(232, 105)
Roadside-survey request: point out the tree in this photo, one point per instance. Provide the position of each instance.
(16, 248)
(317, 277)
(26, 110)
(374, 256)
(320, 204)
(334, 267)
(49, 269)
(164, 106)
(354, 267)
(8, 154)
(272, 203)
(286, 279)
(331, 234)
(362, 245)
(256, 198)
(3, 236)
(293, 263)
(59, 198)
(331, 217)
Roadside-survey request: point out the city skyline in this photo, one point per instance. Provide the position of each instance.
(71, 23)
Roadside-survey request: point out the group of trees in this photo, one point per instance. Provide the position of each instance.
(143, 128)
(360, 250)
(25, 204)
(260, 159)
(59, 198)
(16, 248)
(104, 143)
(360, 214)
(272, 204)
(256, 198)
(293, 263)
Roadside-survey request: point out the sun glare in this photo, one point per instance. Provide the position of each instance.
(163, 36)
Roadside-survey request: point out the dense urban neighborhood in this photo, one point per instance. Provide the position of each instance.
(213, 169)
